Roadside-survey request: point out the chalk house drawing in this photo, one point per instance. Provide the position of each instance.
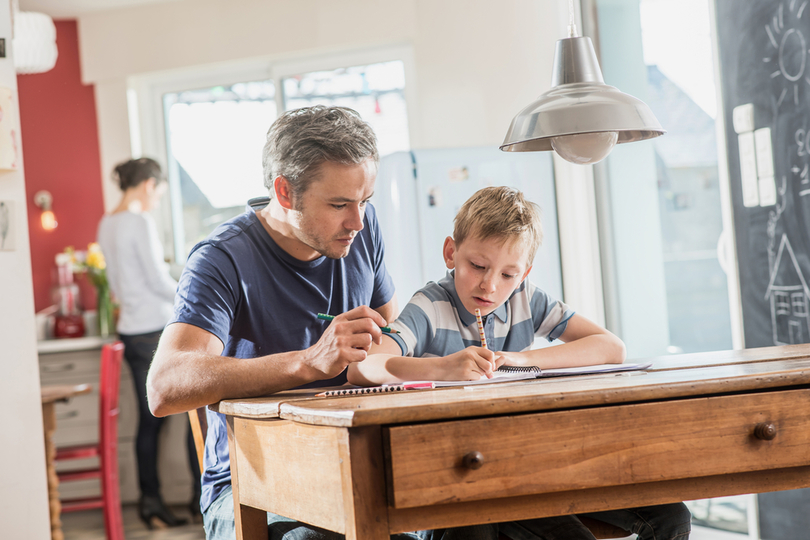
(789, 295)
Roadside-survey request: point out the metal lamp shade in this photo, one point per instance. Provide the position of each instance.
(579, 102)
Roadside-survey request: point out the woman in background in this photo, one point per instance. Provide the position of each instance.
(140, 281)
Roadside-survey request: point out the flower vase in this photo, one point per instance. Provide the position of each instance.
(106, 322)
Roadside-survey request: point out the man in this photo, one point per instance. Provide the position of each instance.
(245, 318)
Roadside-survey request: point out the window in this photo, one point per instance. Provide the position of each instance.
(782, 302)
(799, 302)
(376, 91)
(663, 196)
(211, 132)
(215, 138)
(661, 200)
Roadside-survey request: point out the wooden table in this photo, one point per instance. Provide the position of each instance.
(692, 427)
(51, 394)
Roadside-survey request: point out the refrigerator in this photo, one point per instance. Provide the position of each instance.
(418, 193)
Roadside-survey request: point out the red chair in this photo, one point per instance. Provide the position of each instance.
(106, 450)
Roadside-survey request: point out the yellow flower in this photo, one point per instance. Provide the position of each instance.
(95, 258)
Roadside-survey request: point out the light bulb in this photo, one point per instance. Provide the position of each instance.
(48, 220)
(585, 148)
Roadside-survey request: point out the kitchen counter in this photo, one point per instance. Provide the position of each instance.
(48, 346)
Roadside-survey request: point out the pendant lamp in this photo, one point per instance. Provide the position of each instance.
(580, 117)
(34, 42)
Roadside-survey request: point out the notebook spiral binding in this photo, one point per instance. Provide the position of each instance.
(519, 369)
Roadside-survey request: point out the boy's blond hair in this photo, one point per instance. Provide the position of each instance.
(500, 212)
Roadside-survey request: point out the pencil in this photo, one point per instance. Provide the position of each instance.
(386, 329)
(481, 328)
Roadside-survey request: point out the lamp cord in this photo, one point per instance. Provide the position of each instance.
(572, 27)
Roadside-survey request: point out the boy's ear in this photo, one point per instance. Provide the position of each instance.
(448, 251)
(281, 186)
(526, 274)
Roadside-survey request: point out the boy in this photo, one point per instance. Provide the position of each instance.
(496, 235)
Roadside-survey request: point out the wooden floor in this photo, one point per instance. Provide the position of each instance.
(89, 525)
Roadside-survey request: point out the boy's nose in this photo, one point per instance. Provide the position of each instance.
(488, 282)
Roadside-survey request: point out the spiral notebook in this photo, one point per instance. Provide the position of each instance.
(501, 375)
(517, 373)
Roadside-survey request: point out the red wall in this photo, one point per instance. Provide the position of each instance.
(60, 154)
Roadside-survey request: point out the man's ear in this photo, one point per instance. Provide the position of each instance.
(448, 251)
(281, 187)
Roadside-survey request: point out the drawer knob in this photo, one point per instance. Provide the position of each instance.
(473, 460)
(765, 431)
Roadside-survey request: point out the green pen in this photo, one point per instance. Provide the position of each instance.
(385, 329)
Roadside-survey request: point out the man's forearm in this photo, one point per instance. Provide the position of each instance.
(188, 380)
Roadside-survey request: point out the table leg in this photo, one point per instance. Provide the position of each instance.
(251, 523)
(364, 493)
(49, 424)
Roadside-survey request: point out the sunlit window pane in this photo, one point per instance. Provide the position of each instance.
(215, 139)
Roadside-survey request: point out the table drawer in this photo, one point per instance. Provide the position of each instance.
(587, 448)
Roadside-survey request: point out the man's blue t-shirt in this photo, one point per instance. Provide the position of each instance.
(242, 287)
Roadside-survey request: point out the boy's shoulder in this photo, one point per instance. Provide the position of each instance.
(438, 291)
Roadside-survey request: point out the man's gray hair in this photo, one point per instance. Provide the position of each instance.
(299, 141)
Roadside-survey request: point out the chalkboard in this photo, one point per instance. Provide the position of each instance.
(765, 84)
(783, 515)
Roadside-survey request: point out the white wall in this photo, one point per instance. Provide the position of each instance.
(24, 511)
(476, 62)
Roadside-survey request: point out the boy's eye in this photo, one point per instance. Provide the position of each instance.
(509, 276)
(476, 266)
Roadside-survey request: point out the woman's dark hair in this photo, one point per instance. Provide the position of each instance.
(130, 174)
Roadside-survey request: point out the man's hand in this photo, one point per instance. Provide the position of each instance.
(347, 339)
(470, 364)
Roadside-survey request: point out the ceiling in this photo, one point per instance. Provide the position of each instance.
(70, 9)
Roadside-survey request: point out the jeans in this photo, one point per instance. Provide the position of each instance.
(138, 352)
(664, 522)
(218, 521)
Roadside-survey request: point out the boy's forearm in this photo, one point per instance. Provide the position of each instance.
(586, 351)
(391, 369)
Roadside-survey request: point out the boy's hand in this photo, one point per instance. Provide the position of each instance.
(506, 358)
(470, 364)
(347, 339)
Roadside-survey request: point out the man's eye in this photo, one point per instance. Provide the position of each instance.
(338, 206)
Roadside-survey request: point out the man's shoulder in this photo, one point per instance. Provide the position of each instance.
(231, 234)
(242, 225)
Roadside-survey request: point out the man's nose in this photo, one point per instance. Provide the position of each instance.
(354, 221)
